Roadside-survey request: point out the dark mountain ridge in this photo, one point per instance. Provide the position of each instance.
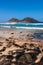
(27, 19)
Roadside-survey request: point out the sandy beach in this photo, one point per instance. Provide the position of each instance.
(12, 40)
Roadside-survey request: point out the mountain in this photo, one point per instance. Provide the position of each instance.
(24, 20)
(13, 20)
(30, 20)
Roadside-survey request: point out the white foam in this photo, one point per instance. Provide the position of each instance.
(29, 28)
(9, 23)
(6, 26)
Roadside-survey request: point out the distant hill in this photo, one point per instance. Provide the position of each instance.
(13, 20)
(31, 20)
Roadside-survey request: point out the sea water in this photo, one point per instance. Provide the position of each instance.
(21, 25)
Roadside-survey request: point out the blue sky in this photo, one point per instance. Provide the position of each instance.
(21, 9)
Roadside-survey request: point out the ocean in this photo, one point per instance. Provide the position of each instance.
(21, 25)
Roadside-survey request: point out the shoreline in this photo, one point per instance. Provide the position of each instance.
(22, 28)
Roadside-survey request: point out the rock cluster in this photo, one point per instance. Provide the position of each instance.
(15, 54)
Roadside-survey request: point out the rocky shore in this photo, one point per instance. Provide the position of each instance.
(21, 47)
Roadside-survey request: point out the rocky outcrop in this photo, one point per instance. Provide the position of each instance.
(26, 54)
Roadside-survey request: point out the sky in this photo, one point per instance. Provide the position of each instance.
(20, 9)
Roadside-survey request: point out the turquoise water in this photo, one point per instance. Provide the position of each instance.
(36, 25)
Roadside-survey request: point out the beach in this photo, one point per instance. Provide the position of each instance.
(12, 40)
